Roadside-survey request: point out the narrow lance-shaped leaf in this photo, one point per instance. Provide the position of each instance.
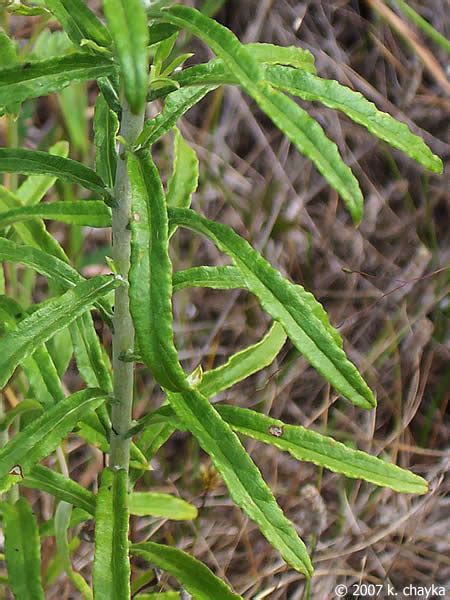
(32, 233)
(79, 22)
(176, 105)
(63, 517)
(128, 25)
(55, 269)
(194, 576)
(217, 278)
(40, 78)
(34, 188)
(51, 317)
(330, 93)
(238, 367)
(59, 486)
(184, 179)
(282, 300)
(106, 128)
(111, 574)
(307, 445)
(33, 162)
(43, 435)
(244, 363)
(151, 273)
(22, 550)
(282, 55)
(161, 505)
(334, 95)
(303, 131)
(150, 285)
(94, 213)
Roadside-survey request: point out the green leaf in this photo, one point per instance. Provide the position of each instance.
(106, 128)
(152, 287)
(93, 213)
(32, 233)
(282, 300)
(79, 21)
(63, 517)
(283, 55)
(159, 596)
(176, 105)
(53, 483)
(55, 269)
(306, 445)
(216, 278)
(25, 406)
(34, 188)
(52, 316)
(92, 361)
(184, 179)
(128, 25)
(334, 95)
(43, 435)
(161, 505)
(194, 576)
(244, 363)
(33, 162)
(303, 131)
(157, 32)
(150, 274)
(40, 78)
(111, 572)
(22, 551)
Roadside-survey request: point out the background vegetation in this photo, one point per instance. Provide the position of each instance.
(384, 284)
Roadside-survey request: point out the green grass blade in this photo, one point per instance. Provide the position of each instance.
(43, 435)
(334, 95)
(128, 26)
(151, 273)
(291, 56)
(216, 278)
(161, 505)
(59, 486)
(79, 22)
(421, 24)
(93, 213)
(106, 128)
(176, 105)
(52, 316)
(34, 162)
(111, 572)
(194, 576)
(40, 78)
(22, 551)
(34, 188)
(244, 363)
(303, 131)
(282, 300)
(306, 445)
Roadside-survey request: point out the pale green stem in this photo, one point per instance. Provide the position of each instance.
(123, 337)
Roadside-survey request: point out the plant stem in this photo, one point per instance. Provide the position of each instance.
(123, 336)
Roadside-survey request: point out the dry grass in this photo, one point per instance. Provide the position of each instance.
(392, 310)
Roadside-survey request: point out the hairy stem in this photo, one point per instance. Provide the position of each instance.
(123, 337)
